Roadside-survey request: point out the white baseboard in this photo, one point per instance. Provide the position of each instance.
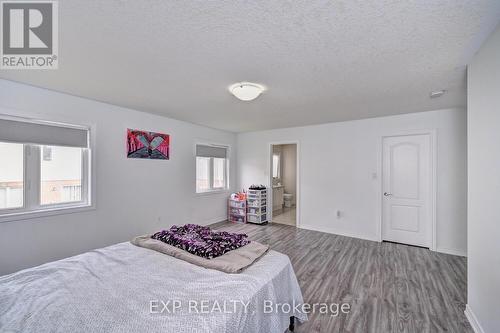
(454, 252)
(473, 320)
(309, 227)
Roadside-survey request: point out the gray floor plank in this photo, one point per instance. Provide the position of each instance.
(390, 287)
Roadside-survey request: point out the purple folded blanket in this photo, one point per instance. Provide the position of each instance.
(201, 241)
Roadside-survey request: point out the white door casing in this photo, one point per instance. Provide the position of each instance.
(407, 175)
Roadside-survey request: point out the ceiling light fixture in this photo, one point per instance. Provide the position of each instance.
(246, 91)
(437, 93)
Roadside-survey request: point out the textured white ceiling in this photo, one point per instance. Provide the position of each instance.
(321, 61)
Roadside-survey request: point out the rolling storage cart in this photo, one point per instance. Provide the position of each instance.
(257, 206)
(237, 210)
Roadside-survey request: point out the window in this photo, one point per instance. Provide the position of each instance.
(11, 175)
(219, 171)
(276, 165)
(211, 168)
(60, 175)
(202, 174)
(43, 167)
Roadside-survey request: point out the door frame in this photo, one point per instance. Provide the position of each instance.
(433, 186)
(270, 178)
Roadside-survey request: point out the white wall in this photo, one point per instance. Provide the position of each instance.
(337, 163)
(134, 196)
(484, 186)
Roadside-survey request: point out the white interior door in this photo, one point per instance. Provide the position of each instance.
(407, 179)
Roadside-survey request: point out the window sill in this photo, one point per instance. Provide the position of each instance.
(27, 215)
(213, 192)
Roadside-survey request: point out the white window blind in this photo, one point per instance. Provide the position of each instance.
(42, 134)
(211, 151)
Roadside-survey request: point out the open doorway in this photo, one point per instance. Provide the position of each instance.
(284, 174)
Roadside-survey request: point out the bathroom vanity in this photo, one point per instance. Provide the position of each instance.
(278, 192)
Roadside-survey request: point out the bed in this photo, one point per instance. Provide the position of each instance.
(125, 288)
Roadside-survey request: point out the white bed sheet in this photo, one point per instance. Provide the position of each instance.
(113, 289)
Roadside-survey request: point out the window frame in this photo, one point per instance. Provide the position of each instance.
(32, 158)
(212, 189)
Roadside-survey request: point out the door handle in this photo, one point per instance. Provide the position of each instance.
(387, 194)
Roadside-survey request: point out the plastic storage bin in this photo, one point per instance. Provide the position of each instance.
(257, 206)
(257, 202)
(257, 218)
(237, 209)
(256, 210)
(237, 204)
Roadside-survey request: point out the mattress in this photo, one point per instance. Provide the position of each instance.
(125, 288)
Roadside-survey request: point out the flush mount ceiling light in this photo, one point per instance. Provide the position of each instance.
(437, 93)
(246, 91)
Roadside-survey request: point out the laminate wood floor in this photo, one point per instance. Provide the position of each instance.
(390, 287)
